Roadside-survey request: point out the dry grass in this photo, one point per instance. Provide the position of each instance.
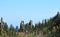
(21, 34)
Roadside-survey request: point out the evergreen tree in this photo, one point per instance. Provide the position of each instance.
(5, 27)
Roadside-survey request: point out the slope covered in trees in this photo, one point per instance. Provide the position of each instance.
(48, 28)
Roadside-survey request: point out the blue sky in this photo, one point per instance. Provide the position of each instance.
(13, 11)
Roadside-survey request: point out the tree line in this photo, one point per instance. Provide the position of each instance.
(48, 27)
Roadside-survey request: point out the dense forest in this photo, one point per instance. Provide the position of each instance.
(46, 28)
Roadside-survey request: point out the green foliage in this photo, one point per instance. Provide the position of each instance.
(31, 35)
(5, 27)
(11, 28)
(50, 28)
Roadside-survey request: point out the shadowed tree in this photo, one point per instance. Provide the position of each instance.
(16, 28)
(5, 27)
(11, 31)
